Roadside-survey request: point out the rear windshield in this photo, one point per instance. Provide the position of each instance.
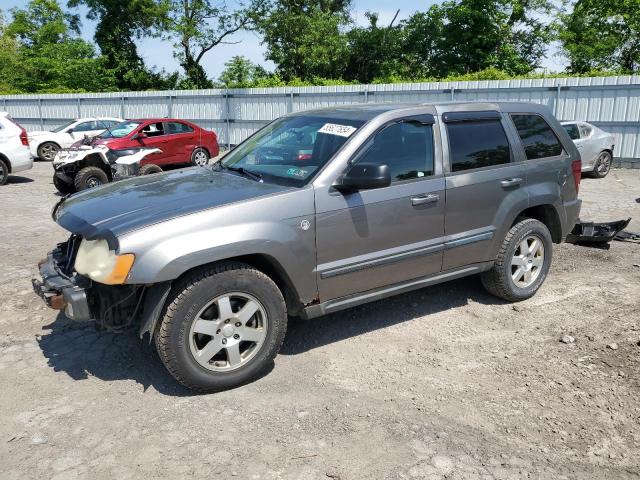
(292, 149)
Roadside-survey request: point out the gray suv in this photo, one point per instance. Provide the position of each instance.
(317, 212)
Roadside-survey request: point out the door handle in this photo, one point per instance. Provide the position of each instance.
(424, 199)
(511, 182)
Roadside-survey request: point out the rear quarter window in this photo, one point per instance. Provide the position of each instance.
(538, 138)
(477, 144)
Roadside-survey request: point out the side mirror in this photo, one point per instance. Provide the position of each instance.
(364, 176)
(139, 136)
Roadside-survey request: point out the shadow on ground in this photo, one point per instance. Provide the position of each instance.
(17, 179)
(82, 351)
(303, 336)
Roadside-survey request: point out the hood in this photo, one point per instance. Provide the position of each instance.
(119, 207)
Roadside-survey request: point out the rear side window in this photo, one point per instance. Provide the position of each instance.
(177, 127)
(585, 131)
(477, 144)
(407, 148)
(572, 130)
(538, 139)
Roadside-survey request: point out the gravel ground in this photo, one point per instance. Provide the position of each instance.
(445, 382)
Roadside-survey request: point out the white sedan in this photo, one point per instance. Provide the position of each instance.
(595, 146)
(45, 145)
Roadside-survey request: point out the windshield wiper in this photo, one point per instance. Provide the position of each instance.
(241, 170)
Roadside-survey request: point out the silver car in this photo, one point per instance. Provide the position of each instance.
(211, 261)
(595, 146)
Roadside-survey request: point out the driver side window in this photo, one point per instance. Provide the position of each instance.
(406, 147)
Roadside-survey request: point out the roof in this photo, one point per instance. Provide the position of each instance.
(367, 111)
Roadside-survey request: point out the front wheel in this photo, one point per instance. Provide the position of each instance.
(602, 166)
(222, 327)
(200, 157)
(523, 262)
(90, 177)
(63, 187)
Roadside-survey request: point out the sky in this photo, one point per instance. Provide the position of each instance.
(158, 53)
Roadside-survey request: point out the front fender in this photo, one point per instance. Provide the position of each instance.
(167, 250)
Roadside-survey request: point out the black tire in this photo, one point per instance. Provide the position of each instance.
(63, 187)
(90, 177)
(499, 281)
(47, 151)
(150, 168)
(189, 297)
(4, 172)
(602, 166)
(197, 156)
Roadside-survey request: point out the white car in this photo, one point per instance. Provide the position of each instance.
(595, 146)
(45, 145)
(14, 148)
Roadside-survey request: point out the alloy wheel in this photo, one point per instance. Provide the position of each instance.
(527, 261)
(603, 163)
(93, 182)
(228, 332)
(48, 152)
(200, 158)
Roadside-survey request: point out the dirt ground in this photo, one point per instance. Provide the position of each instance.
(445, 382)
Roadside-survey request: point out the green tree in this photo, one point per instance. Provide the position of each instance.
(198, 26)
(464, 36)
(120, 24)
(305, 39)
(602, 35)
(51, 55)
(240, 72)
(375, 52)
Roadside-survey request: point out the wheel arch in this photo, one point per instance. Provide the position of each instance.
(94, 160)
(6, 160)
(266, 264)
(548, 215)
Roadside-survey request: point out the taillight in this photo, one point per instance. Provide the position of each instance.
(304, 156)
(576, 169)
(23, 137)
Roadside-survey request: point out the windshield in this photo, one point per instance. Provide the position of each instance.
(291, 150)
(120, 130)
(63, 127)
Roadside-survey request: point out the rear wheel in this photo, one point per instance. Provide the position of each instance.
(4, 172)
(522, 263)
(602, 166)
(90, 177)
(200, 157)
(48, 151)
(63, 187)
(149, 169)
(222, 327)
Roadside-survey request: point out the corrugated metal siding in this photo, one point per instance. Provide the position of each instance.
(612, 103)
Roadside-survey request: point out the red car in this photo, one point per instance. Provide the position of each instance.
(180, 141)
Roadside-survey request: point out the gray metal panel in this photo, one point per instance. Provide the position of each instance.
(612, 103)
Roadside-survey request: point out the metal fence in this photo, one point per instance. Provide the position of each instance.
(612, 103)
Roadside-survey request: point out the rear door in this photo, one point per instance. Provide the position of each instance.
(485, 181)
(374, 238)
(181, 141)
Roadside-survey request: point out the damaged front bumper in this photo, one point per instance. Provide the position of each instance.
(592, 233)
(113, 307)
(61, 291)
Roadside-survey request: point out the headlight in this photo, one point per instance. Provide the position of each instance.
(95, 260)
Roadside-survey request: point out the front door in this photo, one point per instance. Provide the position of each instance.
(373, 238)
(155, 138)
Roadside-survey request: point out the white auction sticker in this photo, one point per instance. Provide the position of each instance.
(335, 129)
